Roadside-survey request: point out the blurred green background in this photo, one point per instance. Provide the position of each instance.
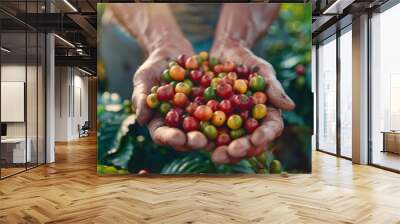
(126, 147)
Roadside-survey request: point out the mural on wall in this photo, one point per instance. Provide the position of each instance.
(197, 89)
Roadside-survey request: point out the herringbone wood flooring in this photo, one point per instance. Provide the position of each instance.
(70, 191)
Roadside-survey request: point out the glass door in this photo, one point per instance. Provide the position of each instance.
(327, 96)
(385, 89)
(346, 92)
(22, 92)
(14, 153)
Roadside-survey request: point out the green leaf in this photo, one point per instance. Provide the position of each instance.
(241, 167)
(291, 62)
(122, 148)
(292, 118)
(110, 170)
(194, 163)
(109, 127)
(122, 156)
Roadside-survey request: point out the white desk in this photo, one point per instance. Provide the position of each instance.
(17, 146)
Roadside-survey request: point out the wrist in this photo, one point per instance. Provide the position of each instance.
(232, 41)
(167, 40)
(223, 46)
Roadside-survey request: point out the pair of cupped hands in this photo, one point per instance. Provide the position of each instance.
(149, 75)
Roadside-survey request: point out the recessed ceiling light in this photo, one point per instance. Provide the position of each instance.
(333, 6)
(5, 50)
(70, 5)
(84, 71)
(337, 7)
(65, 41)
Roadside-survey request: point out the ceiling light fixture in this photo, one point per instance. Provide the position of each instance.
(337, 7)
(65, 41)
(84, 71)
(333, 6)
(70, 5)
(5, 50)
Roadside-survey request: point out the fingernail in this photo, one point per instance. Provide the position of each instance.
(289, 102)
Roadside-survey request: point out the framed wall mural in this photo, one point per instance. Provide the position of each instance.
(198, 89)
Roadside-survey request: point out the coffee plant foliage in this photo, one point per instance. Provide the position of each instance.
(126, 147)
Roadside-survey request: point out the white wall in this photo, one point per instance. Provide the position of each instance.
(71, 102)
(61, 104)
(16, 73)
(33, 127)
(12, 73)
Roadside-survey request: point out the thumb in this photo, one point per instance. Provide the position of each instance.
(275, 91)
(143, 80)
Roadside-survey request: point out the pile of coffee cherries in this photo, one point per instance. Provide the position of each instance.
(223, 100)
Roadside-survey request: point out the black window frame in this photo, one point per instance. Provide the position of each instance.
(337, 30)
(30, 29)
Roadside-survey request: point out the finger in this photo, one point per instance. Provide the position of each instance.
(196, 140)
(239, 147)
(220, 155)
(143, 80)
(277, 95)
(153, 125)
(271, 128)
(164, 135)
(275, 91)
(143, 113)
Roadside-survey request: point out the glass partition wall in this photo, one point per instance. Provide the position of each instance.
(385, 89)
(22, 98)
(334, 94)
(327, 95)
(345, 61)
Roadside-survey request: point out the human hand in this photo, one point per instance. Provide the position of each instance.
(159, 35)
(272, 126)
(149, 75)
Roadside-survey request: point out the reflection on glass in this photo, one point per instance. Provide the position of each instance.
(385, 86)
(41, 99)
(327, 96)
(346, 94)
(15, 151)
(22, 91)
(31, 97)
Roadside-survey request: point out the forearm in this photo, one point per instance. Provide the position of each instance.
(151, 24)
(243, 24)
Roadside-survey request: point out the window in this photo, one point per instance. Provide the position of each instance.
(385, 89)
(327, 96)
(346, 92)
(22, 77)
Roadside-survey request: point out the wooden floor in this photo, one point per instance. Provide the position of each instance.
(5, 172)
(70, 191)
(387, 159)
